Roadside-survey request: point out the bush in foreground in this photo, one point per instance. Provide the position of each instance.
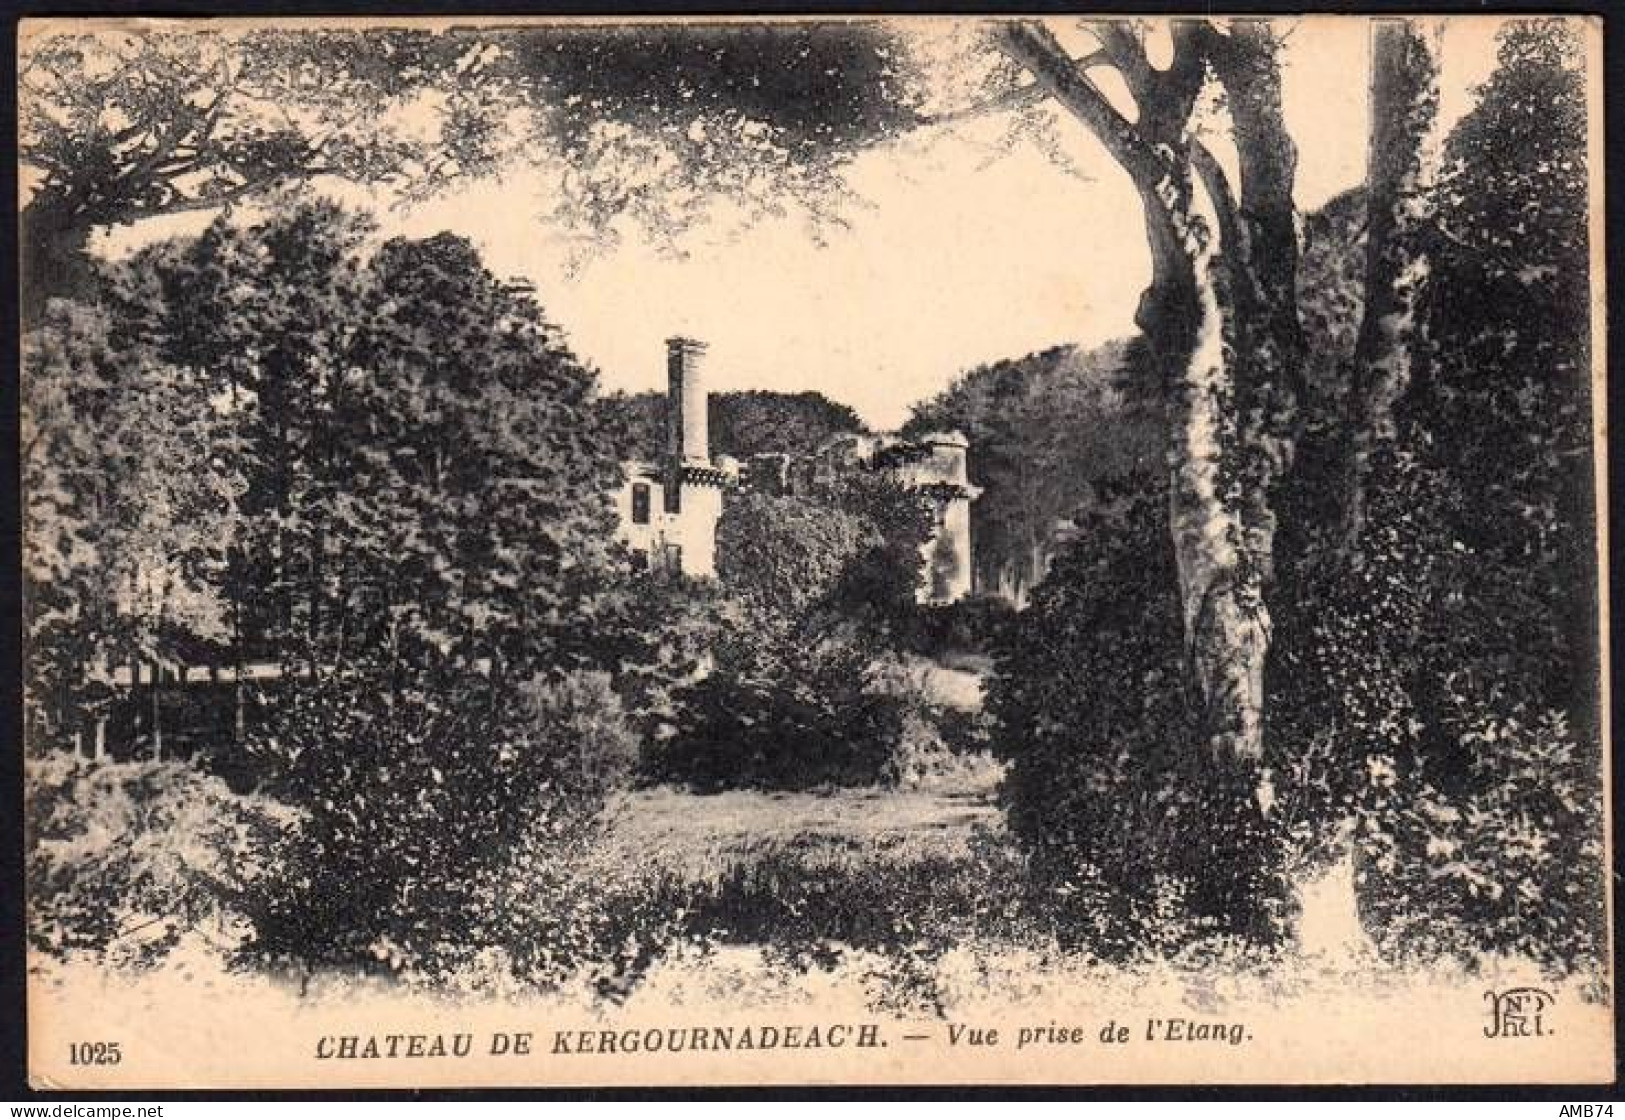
(413, 795)
(1108, 788)
(124, 859)
(1512, 863)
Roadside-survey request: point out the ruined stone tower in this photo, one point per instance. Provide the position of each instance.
(688, 438)
(934, 466)
(669, 509)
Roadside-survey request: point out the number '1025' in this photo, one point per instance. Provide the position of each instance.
(93, 1053)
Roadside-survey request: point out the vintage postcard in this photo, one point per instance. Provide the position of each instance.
(818, 550)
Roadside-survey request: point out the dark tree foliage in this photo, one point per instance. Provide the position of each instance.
(1126, 818)
(760, 421)
(742, 423)
(413, 526)
(1331, 298)
(129, 513)
(120, 125)
(973, 625)
(422, 471)
(754, 113)
(817, 587)
(817, 84)
(1041, 428)
(1439, 684)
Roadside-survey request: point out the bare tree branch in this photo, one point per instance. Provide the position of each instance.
(1021, 97)
(1034, 46)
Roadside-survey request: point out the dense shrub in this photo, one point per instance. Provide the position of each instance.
(413, 793)
(851, 550)
(801, 716)
(936, 748)
(1108, 786)
(556, 913)
(877, 589)
(783, 554)
(123, 859)
(1511, 860)
(973, 625)
(577, 721)
(814, 587)
(1438, 681)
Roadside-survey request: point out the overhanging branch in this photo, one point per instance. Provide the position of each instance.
(1020, 97)
(1034, 46)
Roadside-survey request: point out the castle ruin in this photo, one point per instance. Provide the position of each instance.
(668, 510)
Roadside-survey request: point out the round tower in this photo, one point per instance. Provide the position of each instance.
(688, 439)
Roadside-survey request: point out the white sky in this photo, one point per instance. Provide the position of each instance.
(956, 261)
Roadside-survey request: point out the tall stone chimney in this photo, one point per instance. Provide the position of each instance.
(688, 440)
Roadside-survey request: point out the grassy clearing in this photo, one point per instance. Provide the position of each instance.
(695, 835)
(811, 879)
(701, 839)
(898, 906)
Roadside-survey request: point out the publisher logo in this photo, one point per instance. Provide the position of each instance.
(1517, 1013)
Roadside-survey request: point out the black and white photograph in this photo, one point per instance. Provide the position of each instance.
(860, 550)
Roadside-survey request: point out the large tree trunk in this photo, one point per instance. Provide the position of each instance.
(1260, 252)
(1221, 591)
(1221, 468)
(1400, 170)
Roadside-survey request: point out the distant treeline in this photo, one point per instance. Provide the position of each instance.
(1042, 428)
(746, 423)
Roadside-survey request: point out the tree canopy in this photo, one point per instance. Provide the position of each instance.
(649, 121)
(742, 423)
(342, 453)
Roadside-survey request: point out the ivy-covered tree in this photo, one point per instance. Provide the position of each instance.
(1499, 434)
(1439, 680)
(1090, 712)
